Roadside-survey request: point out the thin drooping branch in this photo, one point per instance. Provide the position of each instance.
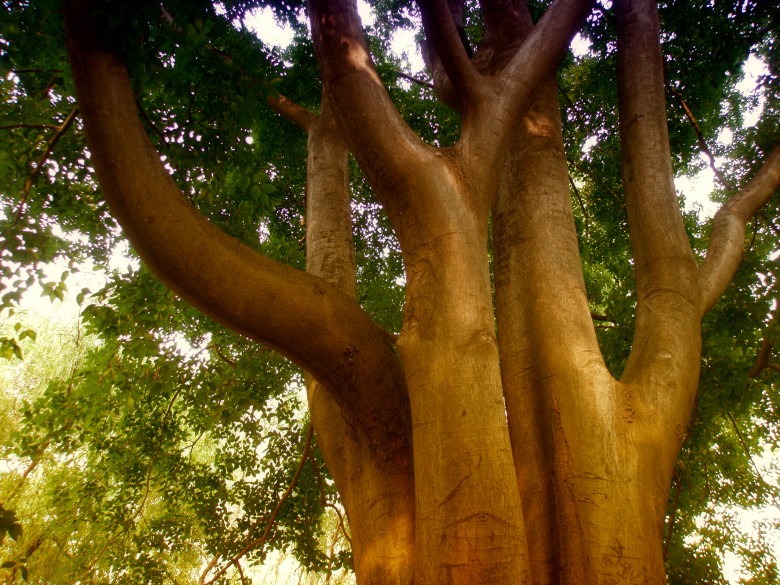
(30, 181)
(440, 27)
(759, 477)
(728, 230)
(700, 137)
(246, 291)
(264, 537)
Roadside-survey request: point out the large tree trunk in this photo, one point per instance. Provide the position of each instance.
(486, 444)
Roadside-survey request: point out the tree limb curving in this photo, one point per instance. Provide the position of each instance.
(728, 230)
(300, 315)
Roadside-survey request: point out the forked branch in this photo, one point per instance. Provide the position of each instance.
(384, 146)
(543, 48)
(520, 81)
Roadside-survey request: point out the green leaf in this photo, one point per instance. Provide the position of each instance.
(28, 333)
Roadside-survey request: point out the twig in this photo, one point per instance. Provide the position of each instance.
(573, 106)
(582, 203)
(673, 516)
(28, 183)
(597, 317)
(271, 520)
(771, 224)
(342, 524)
(37, 126)
(35, 70)
(323, 500)
(141, 505)
(413, 79)
(764, 353)
(33, 464)
(240, 572)
(222, 356)
(149, 122)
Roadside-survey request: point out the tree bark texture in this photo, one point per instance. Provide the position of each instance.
(488, 442)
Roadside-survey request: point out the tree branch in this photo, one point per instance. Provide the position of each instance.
(761, 481)
(413, 79)
(516, 86)
(665, 347)
(439, 22)
(544, 47)
(281, 104)
(384, 146)
(292, 111)
(301, 316)
(728, 230)
(38, 126)
(33, 176)
(762, 359)
(504, 19)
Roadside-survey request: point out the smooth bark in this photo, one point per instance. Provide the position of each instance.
(377, 487)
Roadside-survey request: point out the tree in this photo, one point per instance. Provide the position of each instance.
(493, 437)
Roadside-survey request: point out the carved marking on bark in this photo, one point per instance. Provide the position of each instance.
(456, 488)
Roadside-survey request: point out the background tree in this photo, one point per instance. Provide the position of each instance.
(495, 408)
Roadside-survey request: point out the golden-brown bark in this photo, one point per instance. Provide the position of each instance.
(376, 485)
(546, 336)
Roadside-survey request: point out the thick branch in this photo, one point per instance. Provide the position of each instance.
(665, 353)
(384, 472)
(386, 149)
(728, 230)
(536, 59)
(291, 111)
(300, 315)
(544, 47)
(504, 19)
(440, 27)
